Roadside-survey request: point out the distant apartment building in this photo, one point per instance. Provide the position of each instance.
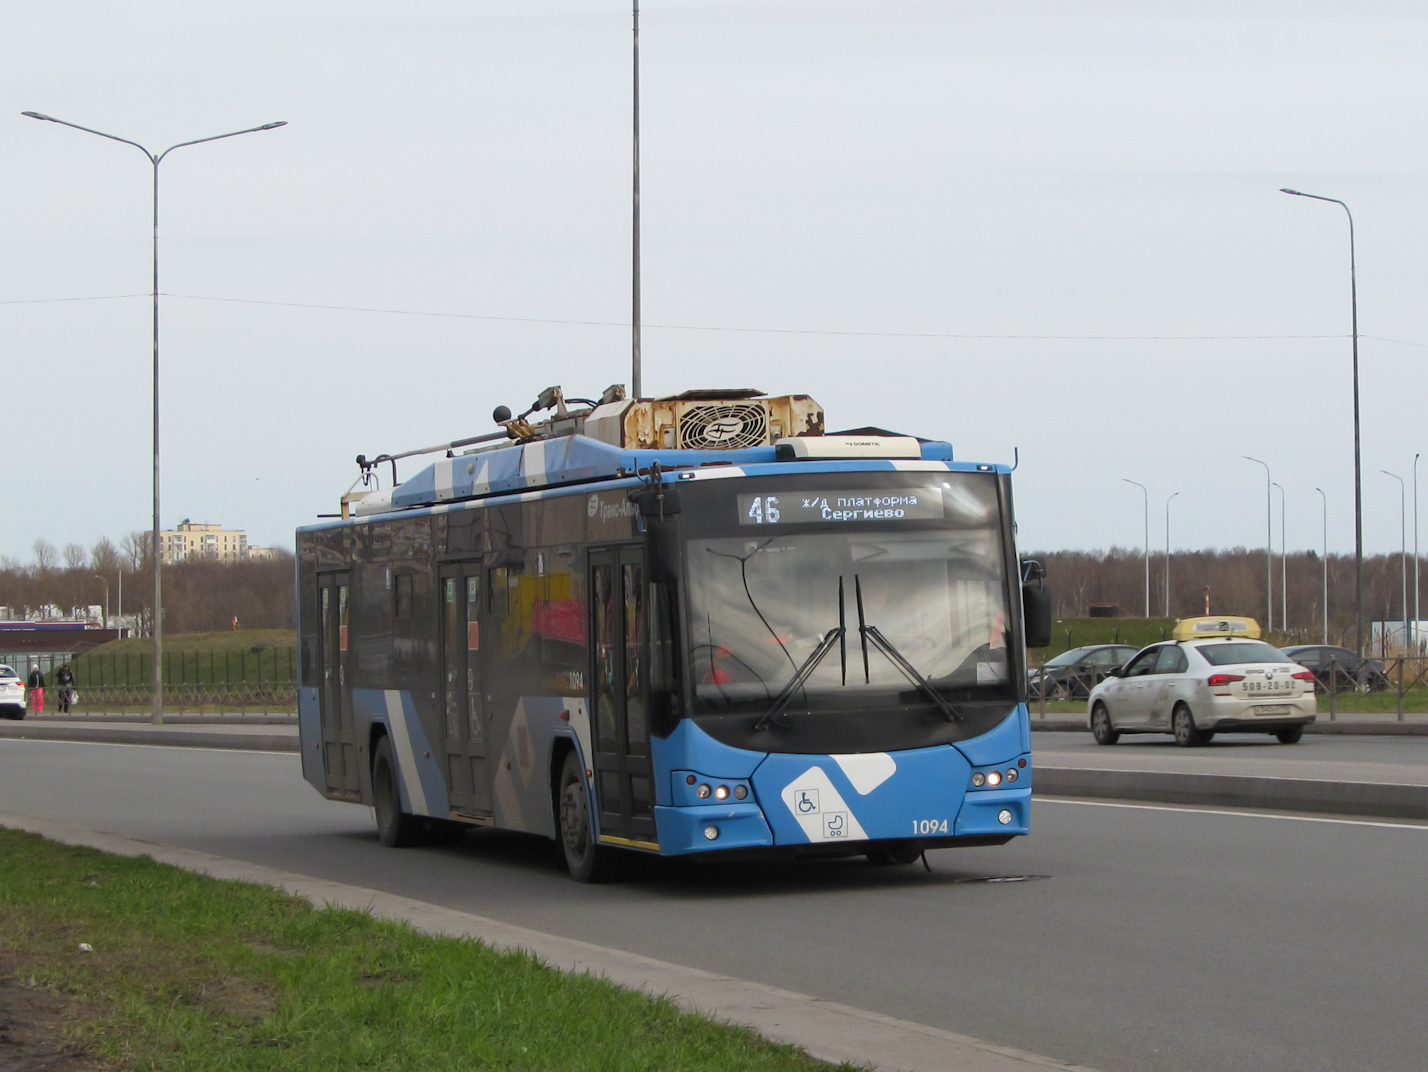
(194, 541)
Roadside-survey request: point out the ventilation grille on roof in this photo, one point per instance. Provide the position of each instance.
(727, 427)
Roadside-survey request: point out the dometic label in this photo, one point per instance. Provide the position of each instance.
(811, 507)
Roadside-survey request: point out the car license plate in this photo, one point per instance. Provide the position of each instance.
(1272, 709)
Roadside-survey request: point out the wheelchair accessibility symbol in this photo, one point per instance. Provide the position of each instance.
(806, 801)
(835, 824)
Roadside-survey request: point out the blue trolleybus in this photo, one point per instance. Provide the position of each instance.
(695, 624)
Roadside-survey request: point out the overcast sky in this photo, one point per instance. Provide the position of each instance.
(853, 172)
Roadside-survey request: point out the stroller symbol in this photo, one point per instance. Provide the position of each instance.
(807, 801)
(836, 824)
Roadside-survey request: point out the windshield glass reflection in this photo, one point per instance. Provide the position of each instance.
(760, 608)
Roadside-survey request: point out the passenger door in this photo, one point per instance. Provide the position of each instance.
(1130, 705)
(619, 702)
(1166, 686)
(339, 739)
(468, 777)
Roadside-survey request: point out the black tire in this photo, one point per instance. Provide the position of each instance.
(1182, 724)
(1101, 727)
(396, 829)
(888, 853)
(1290, 734)
(585, 859)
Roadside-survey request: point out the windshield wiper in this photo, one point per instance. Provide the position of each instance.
(884, 645)
(810, 664)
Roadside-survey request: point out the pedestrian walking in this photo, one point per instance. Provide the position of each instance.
(36, 685)
(64, 679)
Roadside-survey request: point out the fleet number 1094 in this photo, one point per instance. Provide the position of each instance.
(929, 826)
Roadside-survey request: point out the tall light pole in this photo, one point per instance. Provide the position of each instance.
(156, 550)
(1358, 462)
(1283, 567)
(1268, 543)
(104, 581)
(1403, 541)
(1145, 493)
(1167, 554)
(1325, 500)
(636, 377)
(1416, 618)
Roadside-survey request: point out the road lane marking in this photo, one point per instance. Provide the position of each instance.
(1234, 811)
(136, 744)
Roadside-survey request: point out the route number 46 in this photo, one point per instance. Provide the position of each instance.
(929, 826)
(764, 510)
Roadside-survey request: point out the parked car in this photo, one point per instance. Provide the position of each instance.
(1074, 673)
(1343, 665)
(1215, 676)
(12, 693)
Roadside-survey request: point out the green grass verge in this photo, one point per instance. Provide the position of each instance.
(223, 658)
(193, 974)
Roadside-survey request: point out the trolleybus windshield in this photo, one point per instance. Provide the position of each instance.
(775, 622)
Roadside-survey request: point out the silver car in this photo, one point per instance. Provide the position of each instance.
(1197, 688)
(12, 694)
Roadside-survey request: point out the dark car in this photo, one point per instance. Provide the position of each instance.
(1074, 673)
(1342, 666)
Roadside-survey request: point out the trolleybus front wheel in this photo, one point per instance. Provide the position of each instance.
(586, 860)
(886, 853)
(395, 828)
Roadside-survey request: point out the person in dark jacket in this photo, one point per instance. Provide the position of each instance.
(64, 679)
(36, 685)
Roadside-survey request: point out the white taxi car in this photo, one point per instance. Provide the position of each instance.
(12, 694)
(1215, 676)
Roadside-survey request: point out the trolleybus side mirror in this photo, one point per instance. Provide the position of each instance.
(1036, 614)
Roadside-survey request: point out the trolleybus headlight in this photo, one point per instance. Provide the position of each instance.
(978, 780)
(1004, 817)
(712, 832)
(703, 792)
(740, 792)
(1011, 774)
(722, 793)
(994, 778)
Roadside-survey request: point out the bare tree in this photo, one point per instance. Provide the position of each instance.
(74, 556)
(104, 557)
(46, 557)
(135, 550)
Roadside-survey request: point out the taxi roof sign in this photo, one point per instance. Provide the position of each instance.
(1202, 628)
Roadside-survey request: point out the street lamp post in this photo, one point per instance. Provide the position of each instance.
(1403, 542)
(1145, 493)
(1283, 567)
(104, 581)
(1268, 543)
(1416, 618)
(636, 372)
(1325, 500)
(1167, 554)
(156, 159)
(1358, 462)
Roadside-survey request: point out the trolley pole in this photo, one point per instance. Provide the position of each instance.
(155, 549)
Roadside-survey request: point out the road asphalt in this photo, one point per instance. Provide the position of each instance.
(1117, 936)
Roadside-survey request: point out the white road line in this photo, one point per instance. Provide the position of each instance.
(145, 744)
(1234, 811)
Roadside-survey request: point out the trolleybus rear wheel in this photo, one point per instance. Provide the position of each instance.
(395, 828)
(1101, 727)
(1290, 734)
(586, 860)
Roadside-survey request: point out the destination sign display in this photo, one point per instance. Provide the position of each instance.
(840, 507)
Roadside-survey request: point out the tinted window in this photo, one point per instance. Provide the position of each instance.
(1107, 657)
(1143, 663)
(1242, 651)
(1304, 656)
(1066, 658)
(1171, 660)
